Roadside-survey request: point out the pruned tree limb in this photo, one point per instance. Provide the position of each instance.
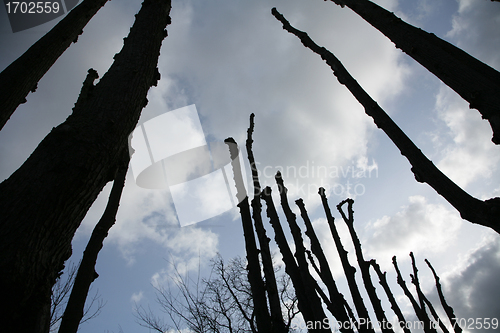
(419, 311)
(86, 274)
(336, 298)
(300, 255)
(394, 305)
(262, 315)
(473, 80)
(291, 267)
(485, 213)
(364, 266)
(21, 76)
(448, 309)
(349, 270)
(267, 262)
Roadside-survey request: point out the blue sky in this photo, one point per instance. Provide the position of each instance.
(232, 58)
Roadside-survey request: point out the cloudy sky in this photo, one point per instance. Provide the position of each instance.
(232, 58)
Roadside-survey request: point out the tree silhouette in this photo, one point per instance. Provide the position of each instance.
(474, 81)
(307, 288)
(44, 201)
(485, 213)
(21, 77)
(216, 303)
(86, 274)
(222, 302)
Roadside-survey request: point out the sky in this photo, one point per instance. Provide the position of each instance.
(231, 59)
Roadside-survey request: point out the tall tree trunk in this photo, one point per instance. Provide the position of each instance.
(474, 81)
(485, 213)
(44, 201)
(336, 298)
(267, 261)
(22, 76)
(86, 274)
(262, 317)
(300, 255)
(291, 267)
(349, 271)
(364, 266)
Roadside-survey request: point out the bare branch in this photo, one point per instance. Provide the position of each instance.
(448, 309)
(484, 213)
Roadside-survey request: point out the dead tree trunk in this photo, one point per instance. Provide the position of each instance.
(448, 309)
(336, 298)
(484, 213)
(349, 271)
(474, 81)
(364, 266)
(262, 318)
(86, 272)
(300, 255)
(44, 201)
(291, 267)
(22, 76)
(267, 262)
(394, 305)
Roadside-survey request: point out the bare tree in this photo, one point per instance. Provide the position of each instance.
(364, 265)
(60, 294)
(477, 211)
(44, 201)
(265, 251)
(21, 77)
(263, 317)
(223, 302)
(447, 308)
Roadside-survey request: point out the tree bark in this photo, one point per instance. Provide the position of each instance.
(86, 274)
(21, 76)
(44, 201)
(474, 81)
(262, 317)
(485, 213)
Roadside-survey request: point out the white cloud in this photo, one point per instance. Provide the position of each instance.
(137, 297)
(475, 28)
(420, 226)
(472, 289)
(472, 155)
